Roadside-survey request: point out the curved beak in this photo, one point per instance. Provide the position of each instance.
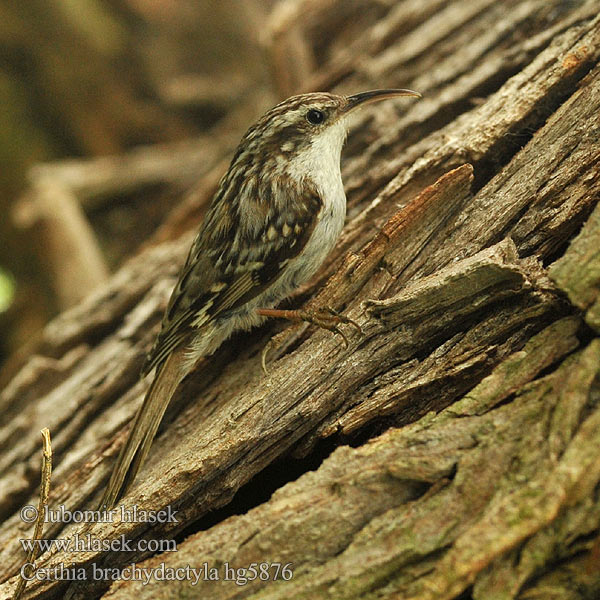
(364, 98)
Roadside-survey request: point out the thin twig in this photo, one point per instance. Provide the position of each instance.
(43, 501)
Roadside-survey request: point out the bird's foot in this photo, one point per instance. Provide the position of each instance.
(325, 318)
(330, 319)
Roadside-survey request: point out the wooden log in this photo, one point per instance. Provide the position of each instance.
(453, 449)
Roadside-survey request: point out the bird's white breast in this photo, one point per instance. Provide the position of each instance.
(321, 163)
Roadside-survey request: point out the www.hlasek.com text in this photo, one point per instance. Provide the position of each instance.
(89, 543)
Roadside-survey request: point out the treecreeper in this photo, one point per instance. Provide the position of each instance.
(276, 215)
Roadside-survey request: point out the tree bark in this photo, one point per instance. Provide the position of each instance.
(453, 448)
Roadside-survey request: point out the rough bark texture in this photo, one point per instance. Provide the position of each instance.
(464, 421)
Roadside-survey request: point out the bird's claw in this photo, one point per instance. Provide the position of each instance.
(330, 319)
(344, 319)
(325, 318)
(263, 356)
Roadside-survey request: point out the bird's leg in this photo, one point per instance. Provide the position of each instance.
(325, 318)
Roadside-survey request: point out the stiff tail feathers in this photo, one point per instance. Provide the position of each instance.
(168, 376)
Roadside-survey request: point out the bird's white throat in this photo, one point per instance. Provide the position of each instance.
(320, 162)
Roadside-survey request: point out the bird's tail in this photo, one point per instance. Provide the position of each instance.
(168, 376)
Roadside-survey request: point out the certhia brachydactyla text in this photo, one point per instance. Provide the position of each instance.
(277, 214)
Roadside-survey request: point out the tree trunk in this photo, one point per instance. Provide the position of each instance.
(453, 448)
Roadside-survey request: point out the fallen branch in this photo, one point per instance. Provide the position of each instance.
(29, 565)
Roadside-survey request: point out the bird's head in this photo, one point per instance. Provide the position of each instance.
(310, 120)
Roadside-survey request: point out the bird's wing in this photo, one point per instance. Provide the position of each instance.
(228, 265)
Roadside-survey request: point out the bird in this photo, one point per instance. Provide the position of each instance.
(276, 215)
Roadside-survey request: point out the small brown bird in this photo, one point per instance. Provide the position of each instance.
(277, 214)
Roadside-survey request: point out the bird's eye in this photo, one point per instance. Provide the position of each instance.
(315, 116)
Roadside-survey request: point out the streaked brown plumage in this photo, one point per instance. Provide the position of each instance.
(277, 214)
